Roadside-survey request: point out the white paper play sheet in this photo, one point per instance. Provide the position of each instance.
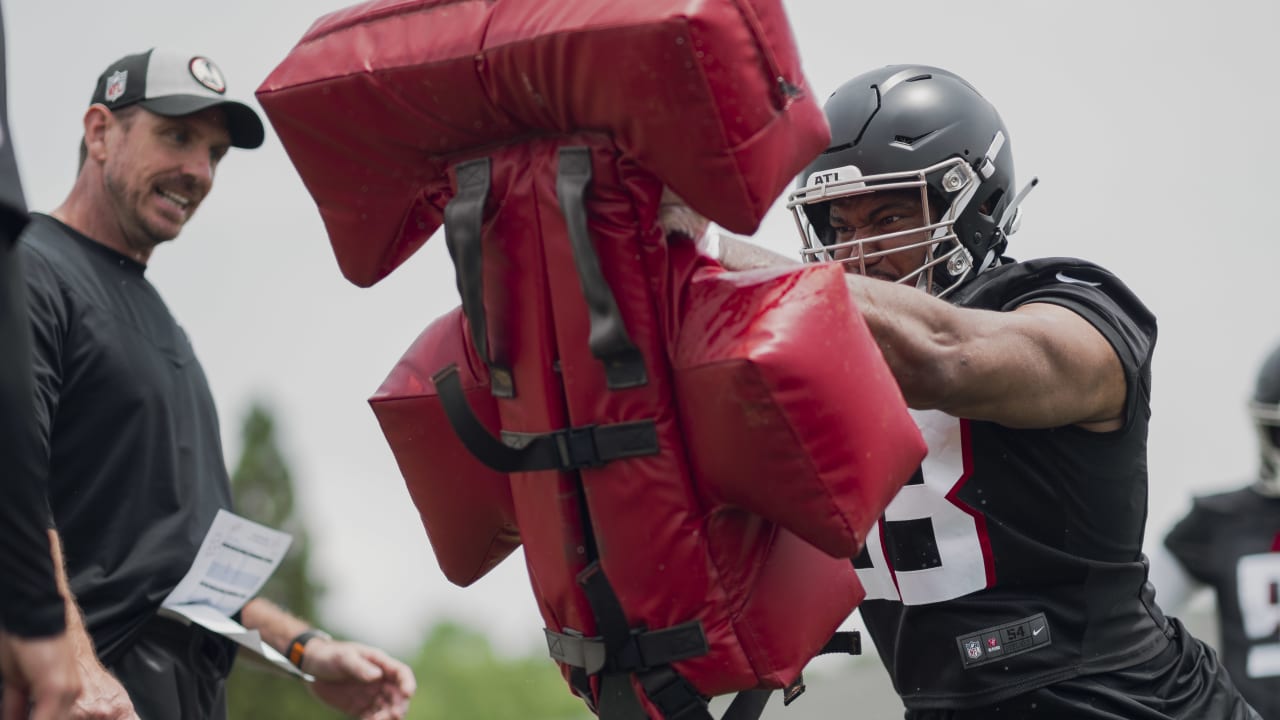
(234, 561)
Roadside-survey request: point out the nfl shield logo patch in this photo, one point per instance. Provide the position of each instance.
(116, 84)
(973, 649)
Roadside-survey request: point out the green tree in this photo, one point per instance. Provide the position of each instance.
(461, 678)
(262, 487)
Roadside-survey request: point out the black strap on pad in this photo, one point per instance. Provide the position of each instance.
(610, 343)
(565, 450)
(463, 223)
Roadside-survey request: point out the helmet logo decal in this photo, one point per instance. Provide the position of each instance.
(841, 174)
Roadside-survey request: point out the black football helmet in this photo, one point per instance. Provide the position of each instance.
(915, 126)
(1264, 406)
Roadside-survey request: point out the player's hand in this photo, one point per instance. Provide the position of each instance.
(39, 677)
(103, 698)
(359, 680)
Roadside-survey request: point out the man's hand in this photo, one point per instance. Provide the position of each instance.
(104, 698)
(40, 675)
(359, 680)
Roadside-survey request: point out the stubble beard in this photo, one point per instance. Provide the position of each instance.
(138, 234)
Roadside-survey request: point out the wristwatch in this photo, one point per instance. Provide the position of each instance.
(298, 645)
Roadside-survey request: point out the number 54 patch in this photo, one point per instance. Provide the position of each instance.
(1002, 641)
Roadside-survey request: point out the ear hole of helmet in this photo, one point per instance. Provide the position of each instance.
(992, 201)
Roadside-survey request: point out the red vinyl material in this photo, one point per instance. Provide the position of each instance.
(376, 100)
(772, 470)
(781, 433)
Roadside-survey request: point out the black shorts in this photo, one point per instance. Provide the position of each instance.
(176, 671)
(1185, 682)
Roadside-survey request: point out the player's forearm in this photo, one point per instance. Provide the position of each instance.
(921, 338)
(908, 325)
(737, 254)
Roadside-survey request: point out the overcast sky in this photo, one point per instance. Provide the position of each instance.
(1151, 124)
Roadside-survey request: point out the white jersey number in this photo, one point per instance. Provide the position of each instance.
(960, 531)
(1258, 584)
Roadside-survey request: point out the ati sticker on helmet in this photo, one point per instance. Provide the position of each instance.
(841, 175)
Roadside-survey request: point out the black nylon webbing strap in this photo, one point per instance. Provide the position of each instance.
(673, 695)
(606, 607)
(609, 341)
(587, 446)
(463, 221)
(564, 450)
(643, 650)
(748, 705)
(618, 699)
(581, 684)
(848, 642)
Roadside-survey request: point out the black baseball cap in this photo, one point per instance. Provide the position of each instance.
(173, 84)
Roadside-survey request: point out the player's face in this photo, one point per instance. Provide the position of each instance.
(864, 219)
(159, 169)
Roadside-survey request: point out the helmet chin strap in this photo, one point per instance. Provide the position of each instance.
(1009, 222)
(1009, 219)
(1007, 225)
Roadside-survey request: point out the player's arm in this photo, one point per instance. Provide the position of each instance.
(1038, 366)
(737, 254)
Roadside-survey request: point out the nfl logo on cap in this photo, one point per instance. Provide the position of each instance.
(116, 84)
(973, 649)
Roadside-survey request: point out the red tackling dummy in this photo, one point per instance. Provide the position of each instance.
(685, 472)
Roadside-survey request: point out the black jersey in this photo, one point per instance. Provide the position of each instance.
(1231, 542)
(127, 426)
(1013, 559)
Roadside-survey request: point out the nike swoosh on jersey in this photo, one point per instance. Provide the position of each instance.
(1075, 281)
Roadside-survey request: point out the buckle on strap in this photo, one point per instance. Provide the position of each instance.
(577, 447)
(564, 450)
(572, 648)
(587, 446)
(642, 650)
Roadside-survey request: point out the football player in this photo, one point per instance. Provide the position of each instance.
(1230, 542)
(1007, 579)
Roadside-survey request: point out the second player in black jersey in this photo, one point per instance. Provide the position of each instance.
(1230, 542)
